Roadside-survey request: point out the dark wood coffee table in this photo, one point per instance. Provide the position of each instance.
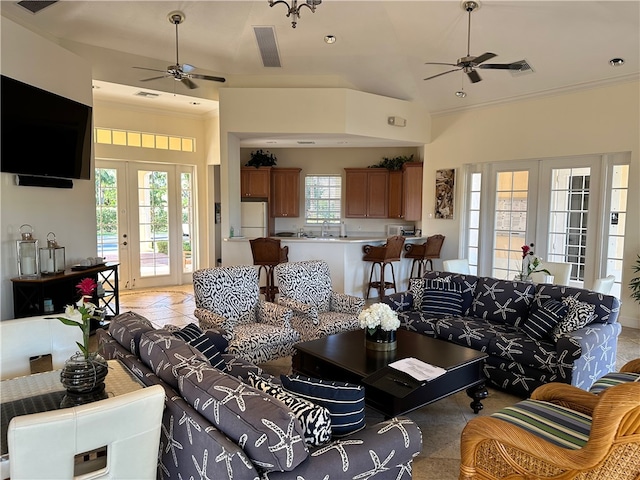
(343, 357)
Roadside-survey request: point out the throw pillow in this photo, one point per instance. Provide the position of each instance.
(315, 420)
(416, 287)
(345, 401)
(502, 301)
(440, 298)
(579, 314)
(541, 322)
(195, 337)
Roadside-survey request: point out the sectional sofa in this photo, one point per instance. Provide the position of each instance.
(217, 425)
(533, 333)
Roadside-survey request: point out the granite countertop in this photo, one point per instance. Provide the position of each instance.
(348, 239)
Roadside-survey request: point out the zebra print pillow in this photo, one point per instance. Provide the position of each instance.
(315, 420)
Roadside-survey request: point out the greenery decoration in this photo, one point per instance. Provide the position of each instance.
(634, 284)
(394, 163)
(261, 158)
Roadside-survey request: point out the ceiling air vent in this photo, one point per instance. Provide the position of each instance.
(34, 6)
(525, 69)
(142, 93)
(306, 142)
(266, 38)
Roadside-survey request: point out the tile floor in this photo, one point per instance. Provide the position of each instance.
(441, 422)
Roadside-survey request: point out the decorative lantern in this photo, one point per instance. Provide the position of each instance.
(52, 257)
(28, 260)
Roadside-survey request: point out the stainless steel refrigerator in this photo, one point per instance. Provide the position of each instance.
(254, 219)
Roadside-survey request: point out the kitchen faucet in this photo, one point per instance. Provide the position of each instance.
(325, 229)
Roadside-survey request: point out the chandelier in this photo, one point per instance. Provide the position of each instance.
(294, 9)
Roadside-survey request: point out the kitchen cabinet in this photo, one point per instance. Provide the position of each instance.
(366, 192)
(405, 192)
(255, 182)
(285, 192)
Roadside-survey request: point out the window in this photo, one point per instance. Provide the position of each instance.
(128, 138)
(473, 220)
(322, 199)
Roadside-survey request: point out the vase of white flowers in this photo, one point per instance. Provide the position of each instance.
(380, 324)
(530, 264)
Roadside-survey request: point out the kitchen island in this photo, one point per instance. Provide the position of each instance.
(349, 273)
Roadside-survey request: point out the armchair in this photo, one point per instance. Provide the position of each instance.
(318, 311)
(561, 432)
(228, 298)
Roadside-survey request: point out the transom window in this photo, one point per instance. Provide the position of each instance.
(322, 199)
(128, 138)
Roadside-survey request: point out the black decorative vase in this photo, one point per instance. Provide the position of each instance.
(81, 376)
(381, 340)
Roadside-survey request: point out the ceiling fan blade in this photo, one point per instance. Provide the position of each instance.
(439, 63)
(484, 57)
(444, 73)
(474, 76)
(154, 78)
(207, 77)
(150, 69)
(187, 68)
(187, 81)
(503, 66)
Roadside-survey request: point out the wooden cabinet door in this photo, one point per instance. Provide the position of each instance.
(366, 193)
(285, 192)
(255, 182)
(412, 191)
(396, 197)
(378, 198)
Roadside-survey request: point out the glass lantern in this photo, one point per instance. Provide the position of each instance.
(27, 246)
(52, 257)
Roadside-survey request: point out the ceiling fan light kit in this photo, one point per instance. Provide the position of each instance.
(293, 10)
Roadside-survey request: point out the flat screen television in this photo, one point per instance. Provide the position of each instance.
(43, 134)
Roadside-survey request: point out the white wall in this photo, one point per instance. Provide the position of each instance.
(70, 214)
(595, 121)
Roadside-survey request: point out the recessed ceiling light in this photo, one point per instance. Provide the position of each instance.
(616, 62)
(461, 94)
(194, 103)
(329, 39)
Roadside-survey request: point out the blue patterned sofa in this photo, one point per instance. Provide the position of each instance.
(527, 330)
(216, 425)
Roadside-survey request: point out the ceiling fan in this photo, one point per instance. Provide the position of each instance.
(469, 64)
(180, 73)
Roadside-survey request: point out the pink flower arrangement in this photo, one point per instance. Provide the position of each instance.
(81, 314)
(530, 265)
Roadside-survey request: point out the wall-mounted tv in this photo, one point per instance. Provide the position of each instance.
(43, 134)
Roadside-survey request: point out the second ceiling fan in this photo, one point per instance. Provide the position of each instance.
(180, 73)
(469, 64)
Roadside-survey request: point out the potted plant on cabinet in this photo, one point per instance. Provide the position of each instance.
(261, 158)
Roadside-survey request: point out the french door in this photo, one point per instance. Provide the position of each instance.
(145, 214)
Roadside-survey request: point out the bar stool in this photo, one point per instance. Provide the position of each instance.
(267, 254)
(383, 255)
(423, 254)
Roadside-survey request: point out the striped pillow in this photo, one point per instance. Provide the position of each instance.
(541, 323)
(441, 298)
(345, 401)
(612, 379)
(558, 425)
(195, 337)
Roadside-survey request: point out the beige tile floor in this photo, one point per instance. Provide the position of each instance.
(441, 422)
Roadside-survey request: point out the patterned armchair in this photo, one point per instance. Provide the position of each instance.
(561, 432)
(228, 298)
(305, 288)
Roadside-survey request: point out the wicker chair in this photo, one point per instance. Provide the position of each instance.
(383, 255)
(630, 372)
(513, 446)
(423, 254)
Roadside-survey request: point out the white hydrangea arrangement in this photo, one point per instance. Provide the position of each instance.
(378, 314)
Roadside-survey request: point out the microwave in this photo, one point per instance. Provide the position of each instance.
(393, 230)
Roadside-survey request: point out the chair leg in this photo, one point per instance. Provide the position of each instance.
(393, 277)
(382, 286)
(373, 265)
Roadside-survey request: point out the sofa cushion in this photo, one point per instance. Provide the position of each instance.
(579, 314)
(127, 328)
(267, 430)
(612, 379)
(345, 401)
(441, 298)
(541, 322)
(502, 300)
(315, 420)
(470, 332)
(417, 321)
(521, 349)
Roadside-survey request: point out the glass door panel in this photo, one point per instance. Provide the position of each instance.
(153, 220)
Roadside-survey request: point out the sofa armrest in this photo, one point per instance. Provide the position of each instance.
(589, 353)
(273, 314)
(399, 302)
(304, 309)
(345, 303)
(391, 444)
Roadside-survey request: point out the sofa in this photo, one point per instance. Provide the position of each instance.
(532, 333)
(217, 425)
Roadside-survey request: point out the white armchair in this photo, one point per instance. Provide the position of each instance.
(603, 285)
(228, 298)
(318, 311)
(456, 265)
(561, 273)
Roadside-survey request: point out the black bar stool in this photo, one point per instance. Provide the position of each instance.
(267, 254)
(383, 255)
(423, 254)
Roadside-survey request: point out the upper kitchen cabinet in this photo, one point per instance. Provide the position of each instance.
(405, 192)
(285, 192)
(255, 182)
(366, 192)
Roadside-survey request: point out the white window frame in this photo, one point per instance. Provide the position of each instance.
(337, 210)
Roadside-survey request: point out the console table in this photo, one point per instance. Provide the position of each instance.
(29, 293)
